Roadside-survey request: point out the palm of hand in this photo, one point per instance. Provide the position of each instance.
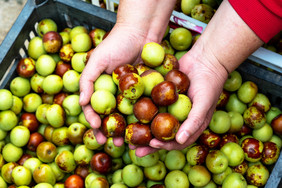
(111, 53)
(205, 87)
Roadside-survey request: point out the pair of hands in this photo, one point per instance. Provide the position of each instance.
(124, 46)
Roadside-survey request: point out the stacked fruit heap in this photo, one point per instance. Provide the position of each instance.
(154, 100)
(46, 141)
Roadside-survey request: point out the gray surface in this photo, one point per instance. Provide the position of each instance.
(9, 11)
(276, 175)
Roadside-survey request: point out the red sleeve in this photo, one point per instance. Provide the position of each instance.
(264, 17)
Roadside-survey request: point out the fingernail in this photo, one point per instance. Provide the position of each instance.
(156, 144)
(81, 97)
(183, 136)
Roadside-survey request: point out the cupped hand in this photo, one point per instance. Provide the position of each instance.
(206, 83)
(122, 46)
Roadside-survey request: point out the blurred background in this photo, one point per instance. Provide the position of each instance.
(9, 11)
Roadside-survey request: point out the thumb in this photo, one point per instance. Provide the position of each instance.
(90, 73)
(197, 121)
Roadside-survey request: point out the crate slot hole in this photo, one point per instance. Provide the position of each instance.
(35, 26)
(26, 43)
(31, 34)
(9, 70)
(68, 21)
(22, 52)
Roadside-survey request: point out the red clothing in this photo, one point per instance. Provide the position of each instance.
(264, 17)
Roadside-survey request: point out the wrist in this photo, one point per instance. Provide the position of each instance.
(147, 18)
(228, 39)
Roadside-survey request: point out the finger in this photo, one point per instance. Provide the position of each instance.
(192, 139)
(100, 137)
(90, 73)
(155, 143)
(170, 145)
(198, 118)
(91, 116)
(144, 150)
(118, 141)
(173, 145)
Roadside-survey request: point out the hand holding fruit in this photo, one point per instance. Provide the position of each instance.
(206, 82)
(122, 46)
(206, 79)
(115, 50)
(191, 128)
(202, 64)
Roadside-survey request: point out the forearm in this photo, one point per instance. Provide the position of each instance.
(147, 17)
(227, 39)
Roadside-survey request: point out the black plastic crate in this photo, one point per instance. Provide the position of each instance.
(269, 82)
(71, 13)
(65, 13)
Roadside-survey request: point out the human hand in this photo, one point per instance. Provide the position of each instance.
(206, 83)
(123, 45)
(115, 50)
(220, 49)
